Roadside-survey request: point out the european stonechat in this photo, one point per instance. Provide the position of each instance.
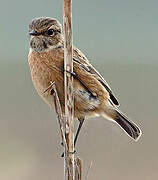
(92, 95)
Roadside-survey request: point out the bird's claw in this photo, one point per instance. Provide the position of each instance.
(69, 153)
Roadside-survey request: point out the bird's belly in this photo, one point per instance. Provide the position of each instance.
(41, 77)
(84, 104)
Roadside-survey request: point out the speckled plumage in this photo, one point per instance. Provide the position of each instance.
(46, 60)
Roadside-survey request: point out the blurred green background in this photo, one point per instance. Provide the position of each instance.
(120, 39)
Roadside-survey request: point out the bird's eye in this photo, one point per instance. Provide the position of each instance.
(50, 32)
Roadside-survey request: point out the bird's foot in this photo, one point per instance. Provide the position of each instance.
(69, 153)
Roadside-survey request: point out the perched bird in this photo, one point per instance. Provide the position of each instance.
(92, 95)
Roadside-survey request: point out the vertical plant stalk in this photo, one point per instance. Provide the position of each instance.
(68, 87)
(60, 117)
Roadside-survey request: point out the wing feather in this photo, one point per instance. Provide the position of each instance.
(79, 58)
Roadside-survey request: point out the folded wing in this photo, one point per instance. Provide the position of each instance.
(79, 58)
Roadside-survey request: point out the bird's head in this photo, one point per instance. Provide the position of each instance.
(45, 33)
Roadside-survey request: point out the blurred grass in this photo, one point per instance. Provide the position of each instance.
(30, 138)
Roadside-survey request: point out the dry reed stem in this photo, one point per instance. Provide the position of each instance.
(68, 87)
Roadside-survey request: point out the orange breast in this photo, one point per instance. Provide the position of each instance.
(46, 67)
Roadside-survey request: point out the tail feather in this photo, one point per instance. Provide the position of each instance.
(129, 127)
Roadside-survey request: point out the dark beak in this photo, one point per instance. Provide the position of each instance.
(34, 33)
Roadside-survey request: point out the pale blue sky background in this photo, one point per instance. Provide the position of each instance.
(111, 30)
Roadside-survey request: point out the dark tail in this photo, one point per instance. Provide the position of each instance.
(131, 129)
(128, 126)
